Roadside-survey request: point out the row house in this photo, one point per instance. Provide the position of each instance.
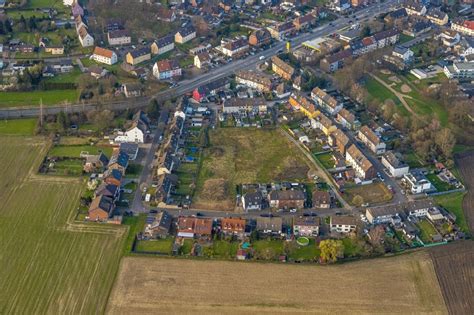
(304, 105)
(339, 140)
(270, 225)
(119, 37)
(235, 48)
(286, 199)
(347, 119)
(281, 30)
(254, 80)
(282, 68)
(321, 199)
(371, 140)
(191, 227)
(160, 225)
(164, 187)
(342, 224)
(239, 105)
(252, 201)
(363, 46)
(304, 21)
(79, 22)
(85, 38)
(325, 124)
(306, 226)
(138, 130)
(233, 226)
(386, 38)
(103, 55)
(391, 213)
(363, 168)
(326, 101)
(395, 167)
(335, 61)
(185, 34)
(210, 89)
(202, 60)
(414, 8)
(162, 45)
(261, 37)
(166, 69)
(463, 26)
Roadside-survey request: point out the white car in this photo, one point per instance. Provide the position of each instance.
(293, 210)
(262, 57)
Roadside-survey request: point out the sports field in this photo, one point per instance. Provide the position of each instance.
(404, 285)
(49, 264)
(243, 156)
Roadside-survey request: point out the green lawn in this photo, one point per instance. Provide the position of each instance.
(70, 77)
(33, 98)
(187, 247)
(222, 249)
(75, 150)
(69, 167)
(405, 38)
(326, 160)
(438, 183)
(164, 246)
(268, 249)
(135, 225)
(453, 203)
(427, 230)
(413, 160)
(134, 169)
(18, 127)
(306, 253)
(380, 93)
(351, 248)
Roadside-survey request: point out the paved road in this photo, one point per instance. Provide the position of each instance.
(186, 86)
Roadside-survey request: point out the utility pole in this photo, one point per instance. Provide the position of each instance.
(41, 112)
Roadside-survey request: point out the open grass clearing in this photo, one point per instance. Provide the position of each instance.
(372, 193)
(427, 231)
(453, 202)
(18, 127)
(243, 155)
(164, 246)
(406, 283)
(74, 151)
(326, 159)
(33, 98)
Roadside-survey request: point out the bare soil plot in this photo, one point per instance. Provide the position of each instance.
(404, 284)
(455, 271)
(371, 193)
(465, 163)
(242, 156)
(405, 88)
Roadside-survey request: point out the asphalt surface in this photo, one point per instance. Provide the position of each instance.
(189, 85)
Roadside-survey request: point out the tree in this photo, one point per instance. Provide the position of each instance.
(445, 141)
(331, 250)
(8, 26)
(357, 200)
(153, 109)
(62, 121)
(365, 31)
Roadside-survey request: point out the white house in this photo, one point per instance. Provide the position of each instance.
(162, 45)
(404, 53)
(395, 167)
(103, 55)
(464, 26)
(85, 38)
(371, 140)
(326, 101)
(460, 70)
(252, 201)
(166, 69)
(417, 182)
(342, 224)
(235, 47)
(119, 37)
(185, 34)
(201, 60)
(138, 131)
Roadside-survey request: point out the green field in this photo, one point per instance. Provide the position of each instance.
(427, 231)
(453, 203)
(162, 245)
(380, 93)
(18, 127)
(48, 266)
(74, 151)
(243, 155)
(438, 183)
(326, 160)
(33, 98)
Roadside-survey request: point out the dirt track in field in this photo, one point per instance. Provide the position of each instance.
(465, 163)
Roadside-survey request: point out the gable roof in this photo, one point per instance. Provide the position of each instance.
(167, 65)
(103, 52)
(187, 30)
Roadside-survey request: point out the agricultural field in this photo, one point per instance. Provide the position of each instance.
(53, 265)
(465, 163)
(194, 286)
(241, 155)
(17, 127)
(371, 193)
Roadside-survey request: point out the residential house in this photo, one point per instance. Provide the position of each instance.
(450, 38)
(325, 124)
(302, 103)
(131, 149)
(304, 21)
(202, 60)
(281, 30)
(335, 61)
(118, 161)
(252, 201)
(404, 53)
(396, 15)
(185, 34)
(85, 38)
(395, 167)
(137, 56)
(460, 70)
(386, 38)
(463, 26)
(54, 49)
(164, 187)
(286, 199)
(200, 49)
(371, 140)
(166, 69)
(434, 214)
(417, 182)
(326, 101)
(119, 37)
(95, 163)
(190, 227)
(347, 119)
(103, 55)
(79, 22)
(437, 16)
(109, 190)
(255, 80)
(160, 225)
(165, 14)
(391, 213)
(113, 176)
(363, 46)
(321, 199)
(235, 48)
(417, 27)
(101, 208)
(162, 45)
(340, 140)
(363, 168)
(281, 68)
(270, 225)
(132, 89)
(210, 89)
(76, 9)
(233, 226)
(342, 224)
(414, 8)
(97, 72)
(236, 105)
(261, 37)
(306, 226)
